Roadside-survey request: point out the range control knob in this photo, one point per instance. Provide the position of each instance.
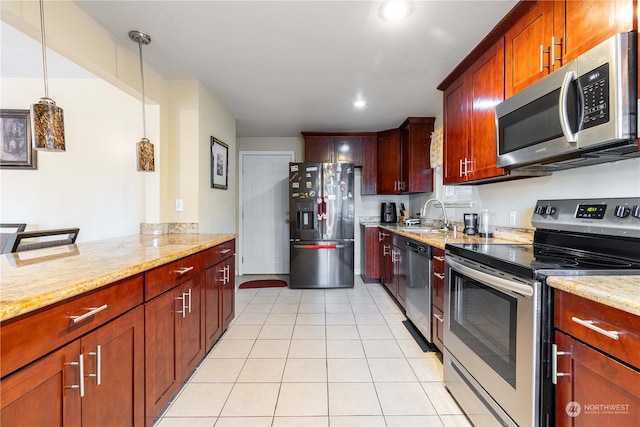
(622, 211)
(635, 211)
(550, 210)
(539, 210)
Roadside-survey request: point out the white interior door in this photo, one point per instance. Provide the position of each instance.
(264, 206)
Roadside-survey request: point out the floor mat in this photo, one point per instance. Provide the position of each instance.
(271, 283)
(424, 345)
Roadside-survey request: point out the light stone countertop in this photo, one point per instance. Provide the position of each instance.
(34, 279)
(439, 240)
(621, 292)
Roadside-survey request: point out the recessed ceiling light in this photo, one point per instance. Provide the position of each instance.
(396, 10)
(359, 103)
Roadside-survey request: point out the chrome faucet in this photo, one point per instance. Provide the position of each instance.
(423, 212)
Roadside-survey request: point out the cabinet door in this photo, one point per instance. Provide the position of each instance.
(161, 380)
(114, 357)
(348, 150)
(318, 149)
(40, 394)
(212, 305)
(389, 158)
(386, 266)
(400, 275)
(590, 22)
(456, 131)
(437, 327)
(599, 391)
(369, 165)
(524, 62)
(371, 255)
(416, 162)
(228, 291)
(487, 90)
(190, 339)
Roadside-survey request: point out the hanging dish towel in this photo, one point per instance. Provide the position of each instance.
(436, 147)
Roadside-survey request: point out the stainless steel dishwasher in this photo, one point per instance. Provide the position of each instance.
(418, 304)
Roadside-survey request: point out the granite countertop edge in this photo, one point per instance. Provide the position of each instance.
(619, 292)
(26, 286)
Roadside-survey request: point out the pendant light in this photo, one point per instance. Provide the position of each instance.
(144, 148)
(47, 119)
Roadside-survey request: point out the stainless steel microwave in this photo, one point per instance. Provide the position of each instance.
(583, 113)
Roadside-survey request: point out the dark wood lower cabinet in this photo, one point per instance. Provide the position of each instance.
(598, 391)
(370, 254)
(122, 365)
(48, 391)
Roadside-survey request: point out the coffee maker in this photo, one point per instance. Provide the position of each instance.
(470, 224)
(388, 213)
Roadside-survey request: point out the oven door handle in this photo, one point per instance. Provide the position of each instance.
(493, 281)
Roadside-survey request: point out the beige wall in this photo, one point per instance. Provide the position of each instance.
(180, 118)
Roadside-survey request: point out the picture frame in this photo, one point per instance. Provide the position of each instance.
(219, 164)
(16, 151)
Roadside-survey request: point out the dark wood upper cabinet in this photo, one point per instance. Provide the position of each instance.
(469, 120)
(403, 157)
(334, 147)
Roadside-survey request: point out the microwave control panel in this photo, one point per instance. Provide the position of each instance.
(595, 95)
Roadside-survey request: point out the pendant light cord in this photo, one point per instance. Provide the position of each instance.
(144, 116)
(44, 50)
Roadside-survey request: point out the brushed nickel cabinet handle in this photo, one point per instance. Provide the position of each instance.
(554, 364)
(438, 275)
(439, 258)
(98, 356)
(91, 312)
(184, 270)
(439, 317)
(589, 325)
(80, 385)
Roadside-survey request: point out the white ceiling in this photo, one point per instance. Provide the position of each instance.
(282, 67)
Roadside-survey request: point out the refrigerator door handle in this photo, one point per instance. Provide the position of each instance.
(319, 208)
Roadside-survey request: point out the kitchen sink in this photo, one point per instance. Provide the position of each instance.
(420, 229)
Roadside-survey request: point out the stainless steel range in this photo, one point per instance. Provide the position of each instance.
(498, 316)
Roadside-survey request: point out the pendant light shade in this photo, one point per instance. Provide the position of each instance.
(144, 148)
(47, 119)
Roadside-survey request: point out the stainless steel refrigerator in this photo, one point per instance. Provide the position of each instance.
(321, 214)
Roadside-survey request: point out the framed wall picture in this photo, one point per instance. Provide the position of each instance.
(219, 164)
(16, 151)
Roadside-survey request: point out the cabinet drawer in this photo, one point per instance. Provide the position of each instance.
(438, 288)
(28, 337)
(438, 257)
(571, 312)
(165, 277)
(218, 253)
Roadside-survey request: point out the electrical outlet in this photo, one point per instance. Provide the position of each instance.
(512, 217)
(179, 205)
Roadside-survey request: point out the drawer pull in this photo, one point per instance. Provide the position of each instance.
(439, 317)
(98, 356)
(91, 312)
(225, 251)
(438, 275)
(439, 258)
(184, 270)
(589, 325)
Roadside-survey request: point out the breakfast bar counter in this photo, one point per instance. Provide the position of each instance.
(34, 279)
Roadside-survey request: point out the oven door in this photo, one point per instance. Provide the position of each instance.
(491, 326)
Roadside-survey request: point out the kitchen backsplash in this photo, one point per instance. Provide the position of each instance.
(169, 228)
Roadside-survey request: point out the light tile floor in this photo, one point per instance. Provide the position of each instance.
(334, 357)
